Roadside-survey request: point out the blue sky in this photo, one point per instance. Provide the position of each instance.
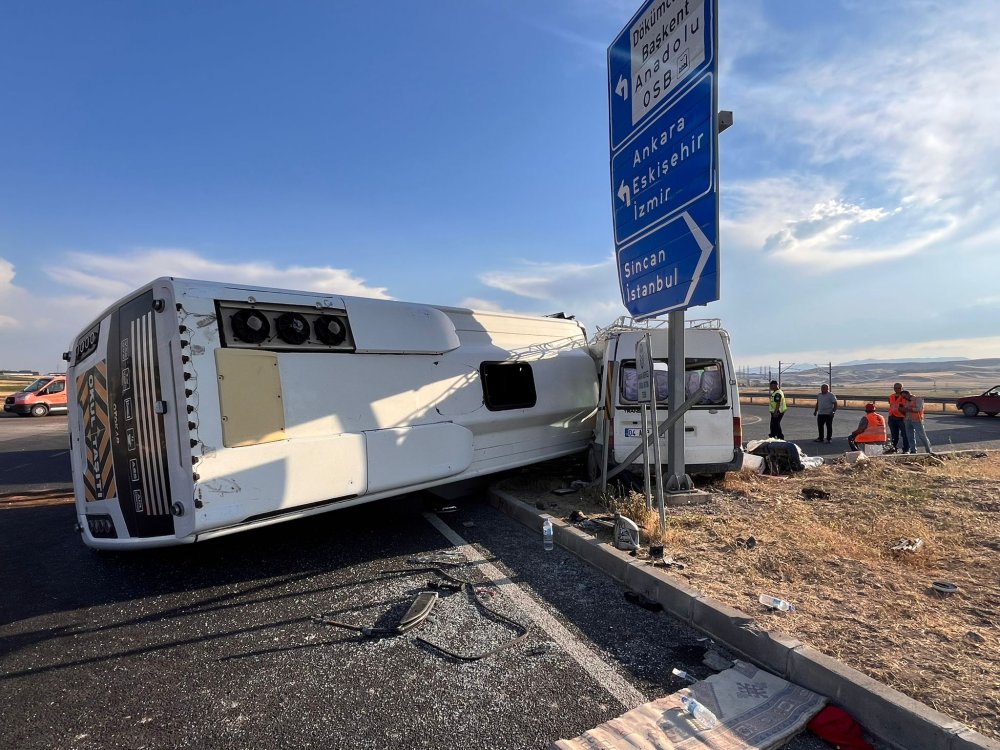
(456, 152)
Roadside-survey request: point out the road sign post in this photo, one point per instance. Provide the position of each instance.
(644, 375)
(664, 137)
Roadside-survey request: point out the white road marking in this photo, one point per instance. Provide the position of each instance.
(751, 420)
(620, 688)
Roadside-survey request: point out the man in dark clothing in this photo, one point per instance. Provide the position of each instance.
(826, 407)
(777, 407)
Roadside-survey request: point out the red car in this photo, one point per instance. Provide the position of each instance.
(989, 402)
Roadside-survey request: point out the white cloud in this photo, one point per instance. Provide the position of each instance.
(587, 291)
(36, 328)
(486, 305)
(989, 301)
(898, 128)
(114, 276)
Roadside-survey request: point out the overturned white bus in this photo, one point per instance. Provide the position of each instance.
(199, 409)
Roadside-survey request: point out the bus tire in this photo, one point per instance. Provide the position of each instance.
(593, 463)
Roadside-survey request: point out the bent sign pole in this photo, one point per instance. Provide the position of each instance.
(663, 131)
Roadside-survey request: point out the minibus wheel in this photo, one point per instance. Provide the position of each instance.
(39, 410)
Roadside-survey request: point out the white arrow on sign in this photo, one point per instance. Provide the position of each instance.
(706, 249)
(622, 88)
(625, 194)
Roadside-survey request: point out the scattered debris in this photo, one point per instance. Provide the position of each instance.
(542, 649)
(447, 509)
(563, 491)
(839, 728)
(670, 562)
(748, 543)
(579, 484)
(656, 551)
(420, 608)
(643, 601)
(468, 524)
(908, 545)
(774, 602)
(626, 534)
(540, 505)
(815, 493)
(944, 587)
(684, 675)
(716, 661)
(577, 516)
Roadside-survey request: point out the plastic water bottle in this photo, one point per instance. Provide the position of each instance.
(701, 714)
(547, 534)
(774, 602)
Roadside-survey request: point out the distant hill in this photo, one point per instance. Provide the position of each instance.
(900, 361)
(929, 376)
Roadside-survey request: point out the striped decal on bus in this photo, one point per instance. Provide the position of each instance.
(148, 422)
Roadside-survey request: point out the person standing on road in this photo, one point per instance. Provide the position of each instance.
(897, 420)
(826, 407)
(871, 430)
(777, 406)
(913, 408)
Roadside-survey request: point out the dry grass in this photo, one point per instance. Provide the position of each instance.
(856, 599)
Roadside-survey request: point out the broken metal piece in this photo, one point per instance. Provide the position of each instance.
(908, 545)
(418, 611)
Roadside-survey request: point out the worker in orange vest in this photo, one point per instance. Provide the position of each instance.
(871, 430)
(897, 419)
(913, 408)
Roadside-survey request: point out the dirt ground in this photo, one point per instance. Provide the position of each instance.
(855, 598)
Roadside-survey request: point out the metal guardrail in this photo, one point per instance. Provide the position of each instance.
(931, 403)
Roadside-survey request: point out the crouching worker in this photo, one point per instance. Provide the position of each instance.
(871, 430)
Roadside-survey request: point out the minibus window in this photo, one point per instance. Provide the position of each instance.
(507, 385)
(700, 374)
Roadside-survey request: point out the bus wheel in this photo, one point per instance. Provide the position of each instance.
(593, 463)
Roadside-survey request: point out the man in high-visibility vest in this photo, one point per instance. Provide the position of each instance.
(897, 420)
(777, 407)
(871, 430)
(914, 410)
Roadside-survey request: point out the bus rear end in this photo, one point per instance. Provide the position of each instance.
(129, 483)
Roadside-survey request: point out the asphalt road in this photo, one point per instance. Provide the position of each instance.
(213, 645)
(945, 431)
(34, 454)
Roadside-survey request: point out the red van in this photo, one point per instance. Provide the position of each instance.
(47, 395)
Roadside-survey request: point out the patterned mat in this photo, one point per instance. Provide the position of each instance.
(755, 711)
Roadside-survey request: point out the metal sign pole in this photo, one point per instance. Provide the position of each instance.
(645, 456)
(645, 380)
(657, 462)
(604, 453)
(679, 480)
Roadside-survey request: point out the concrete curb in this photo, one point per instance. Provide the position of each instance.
(886, 713)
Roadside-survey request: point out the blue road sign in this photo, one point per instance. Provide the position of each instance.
(675, 267)
(663, 123)
(669, 164)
